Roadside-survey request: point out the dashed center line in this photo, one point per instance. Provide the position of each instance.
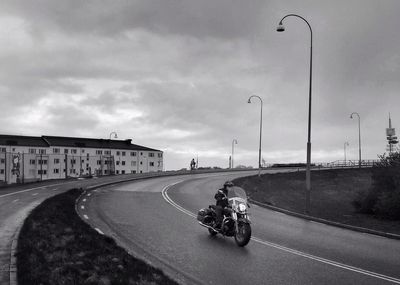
(99, 231)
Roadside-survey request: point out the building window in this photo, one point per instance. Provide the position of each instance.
(66, 151)
(56, 150)
(118, 153)
(123, 162)
(133, 153)
(122, 171)
(42, 151)
(99, 152)
(56, 170)
(32, 150)
(123, 153)
(133, 163)
(151, 163)
(151, 154)
(56, 161)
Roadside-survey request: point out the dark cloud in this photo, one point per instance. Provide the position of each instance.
(226, 19)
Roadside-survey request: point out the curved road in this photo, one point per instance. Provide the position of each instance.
(155, 219)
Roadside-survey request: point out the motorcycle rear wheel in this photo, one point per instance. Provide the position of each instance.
(242, 237)
(212, 232)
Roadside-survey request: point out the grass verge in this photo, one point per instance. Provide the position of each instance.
(332, 194)
(56, 247)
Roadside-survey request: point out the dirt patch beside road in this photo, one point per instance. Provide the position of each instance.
(332, 194)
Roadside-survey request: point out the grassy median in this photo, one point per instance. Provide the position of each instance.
(56, 247)
(332, 195)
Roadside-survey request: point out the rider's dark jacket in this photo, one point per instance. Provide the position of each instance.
(221, 197)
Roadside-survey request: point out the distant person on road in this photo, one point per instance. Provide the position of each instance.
(222, 203)
(193, 164)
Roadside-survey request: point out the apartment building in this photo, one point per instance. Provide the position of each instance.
(27, 158)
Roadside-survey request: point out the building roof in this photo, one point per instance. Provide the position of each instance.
(22, 141)
(55, 141)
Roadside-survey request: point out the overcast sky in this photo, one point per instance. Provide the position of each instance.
(176, 75)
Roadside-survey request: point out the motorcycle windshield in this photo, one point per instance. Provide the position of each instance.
(236, 191)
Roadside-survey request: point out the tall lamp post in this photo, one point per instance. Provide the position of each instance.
(281, 28)
(234, 141)
(345, 160)
(359, 137)
(109, 150)
(259, 148)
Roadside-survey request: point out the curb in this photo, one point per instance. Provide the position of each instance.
(327, 222)
(13, 258)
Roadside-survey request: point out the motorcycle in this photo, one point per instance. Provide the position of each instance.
(236, 221)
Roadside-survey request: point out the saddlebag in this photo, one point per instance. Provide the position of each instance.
(202, 213)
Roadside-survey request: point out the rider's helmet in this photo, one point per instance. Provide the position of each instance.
(228, 184)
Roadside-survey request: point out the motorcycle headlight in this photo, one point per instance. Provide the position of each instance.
(242, 207)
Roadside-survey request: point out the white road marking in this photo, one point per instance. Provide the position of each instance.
(99, 231)
(289, 250)
(86, 217)
(83, 207)
(16, 200)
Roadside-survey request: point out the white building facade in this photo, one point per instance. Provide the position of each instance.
(25, 159)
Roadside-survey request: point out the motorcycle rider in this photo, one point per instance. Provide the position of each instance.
(222, 203)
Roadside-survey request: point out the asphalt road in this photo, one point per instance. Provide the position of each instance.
(154, 219)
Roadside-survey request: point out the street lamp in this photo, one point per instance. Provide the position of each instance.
(345, 161)
(233, 143)
(259, 148)
(281, 28)
(109, 150)
(359, 137)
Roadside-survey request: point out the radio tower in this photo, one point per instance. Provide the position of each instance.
(391, 137)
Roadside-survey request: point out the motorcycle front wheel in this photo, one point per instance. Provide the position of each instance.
(242, 237)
